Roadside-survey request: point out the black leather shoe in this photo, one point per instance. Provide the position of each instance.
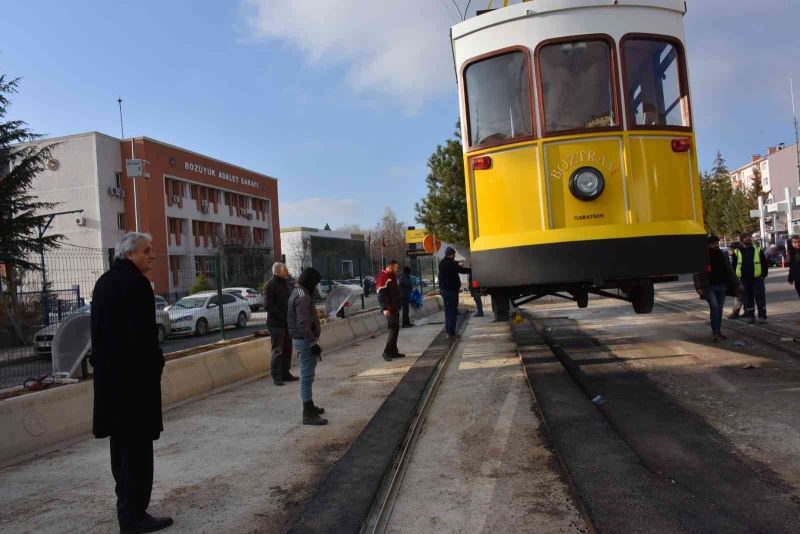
(316, 409)
(279, 382)
(290, 378)
(399, 355)
(387, 357)
(148, 524)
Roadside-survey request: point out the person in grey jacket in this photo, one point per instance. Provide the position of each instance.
(305, 329)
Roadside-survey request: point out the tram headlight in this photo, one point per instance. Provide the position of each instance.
(586, 183)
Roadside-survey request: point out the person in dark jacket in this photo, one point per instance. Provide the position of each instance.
(449, 286)
(277, 303)
(305, 329)
(714, 283)
(406, 287)
(390, 300)
(127, 364)
(794, 263)
(751, 267)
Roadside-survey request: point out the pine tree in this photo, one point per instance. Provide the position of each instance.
(443, 211)
(21, 213)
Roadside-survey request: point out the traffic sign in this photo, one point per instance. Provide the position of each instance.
(431, 245)
(755, 213)
(416, 235)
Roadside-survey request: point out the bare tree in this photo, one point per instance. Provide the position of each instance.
(298, 252)
(388, 239)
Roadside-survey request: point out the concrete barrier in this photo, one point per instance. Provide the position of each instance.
(35, 423)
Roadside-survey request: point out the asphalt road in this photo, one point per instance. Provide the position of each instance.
(16, 373)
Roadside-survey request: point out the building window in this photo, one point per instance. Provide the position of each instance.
(498, 99)
(657, 93)
(118, 179)
(577, 80)
(347, 269)
(121, 221)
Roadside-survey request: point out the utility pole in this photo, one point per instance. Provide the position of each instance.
(796, 133)
(134, 178)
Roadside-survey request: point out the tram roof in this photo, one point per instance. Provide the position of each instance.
(541, 7)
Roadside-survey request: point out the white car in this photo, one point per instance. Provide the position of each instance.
(252, 296)
(199, 313)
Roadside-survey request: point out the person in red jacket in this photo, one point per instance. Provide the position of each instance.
(390, 300)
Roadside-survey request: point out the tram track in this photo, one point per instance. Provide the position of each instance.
(641, 462)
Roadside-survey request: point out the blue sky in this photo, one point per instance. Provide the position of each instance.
(341, 100)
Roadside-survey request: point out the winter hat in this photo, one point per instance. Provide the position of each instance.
(309, 279)
(449, 251)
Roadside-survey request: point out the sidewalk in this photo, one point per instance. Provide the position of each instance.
(236, 461)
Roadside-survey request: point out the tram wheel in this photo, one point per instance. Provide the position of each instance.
(643, 297)
(500, 305)
(582, 298)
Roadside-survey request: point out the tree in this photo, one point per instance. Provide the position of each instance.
(21, 213)
(757, 189)
(297, 249)
(717, 194)
(388, 239)
(443, 211)
(200, 284)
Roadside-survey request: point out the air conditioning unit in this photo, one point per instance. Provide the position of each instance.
(204, 203)
(121, 192)
(80, 220)
(175, 199)
(248, 215)
(112, 191)
(204, 209)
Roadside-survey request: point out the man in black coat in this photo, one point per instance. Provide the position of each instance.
(127, 365)
(406, 287)
(449, 287)
(277, 301)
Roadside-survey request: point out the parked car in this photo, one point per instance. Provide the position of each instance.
(43, 339)
(252, 296)
(161, 302)
(199, 313)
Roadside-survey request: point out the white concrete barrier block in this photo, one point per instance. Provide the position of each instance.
(184, 378)
(335, 334)
(38, 420)
(225, 365)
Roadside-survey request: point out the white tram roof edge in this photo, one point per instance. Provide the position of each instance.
(542, 7)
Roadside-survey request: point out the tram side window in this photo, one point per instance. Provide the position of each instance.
(498, 99)
(656, 95)
(577, 86)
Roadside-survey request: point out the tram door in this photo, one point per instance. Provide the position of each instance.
(663, 181)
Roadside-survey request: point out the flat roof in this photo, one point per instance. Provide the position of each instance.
(540, 7)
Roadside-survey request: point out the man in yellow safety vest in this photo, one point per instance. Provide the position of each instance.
(751, 267)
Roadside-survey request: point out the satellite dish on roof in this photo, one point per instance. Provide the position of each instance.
(72, 342)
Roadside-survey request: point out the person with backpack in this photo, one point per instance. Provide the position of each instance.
(714, 283)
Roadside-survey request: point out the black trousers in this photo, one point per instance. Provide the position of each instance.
(393, 322)
(281, 351)
(406, 318)
(132, 466)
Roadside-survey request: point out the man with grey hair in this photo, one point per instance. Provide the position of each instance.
(127, 365)
(277, 303)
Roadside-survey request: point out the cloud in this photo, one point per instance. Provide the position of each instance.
(317, 212)
(400, 50)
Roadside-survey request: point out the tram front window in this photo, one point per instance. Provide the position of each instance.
(498, 99)
(656, 95)
(577, 86)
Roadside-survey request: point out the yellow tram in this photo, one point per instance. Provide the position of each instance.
(579, 152)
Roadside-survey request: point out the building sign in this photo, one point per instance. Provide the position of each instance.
(415, 236)
(222, 175)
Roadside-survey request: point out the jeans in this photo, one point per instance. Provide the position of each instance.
(754, 291)
(132, 466)
(393, 322)
(450, 297)
(281, 352)
(308, 367)
(715, 295)
(478, 303)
